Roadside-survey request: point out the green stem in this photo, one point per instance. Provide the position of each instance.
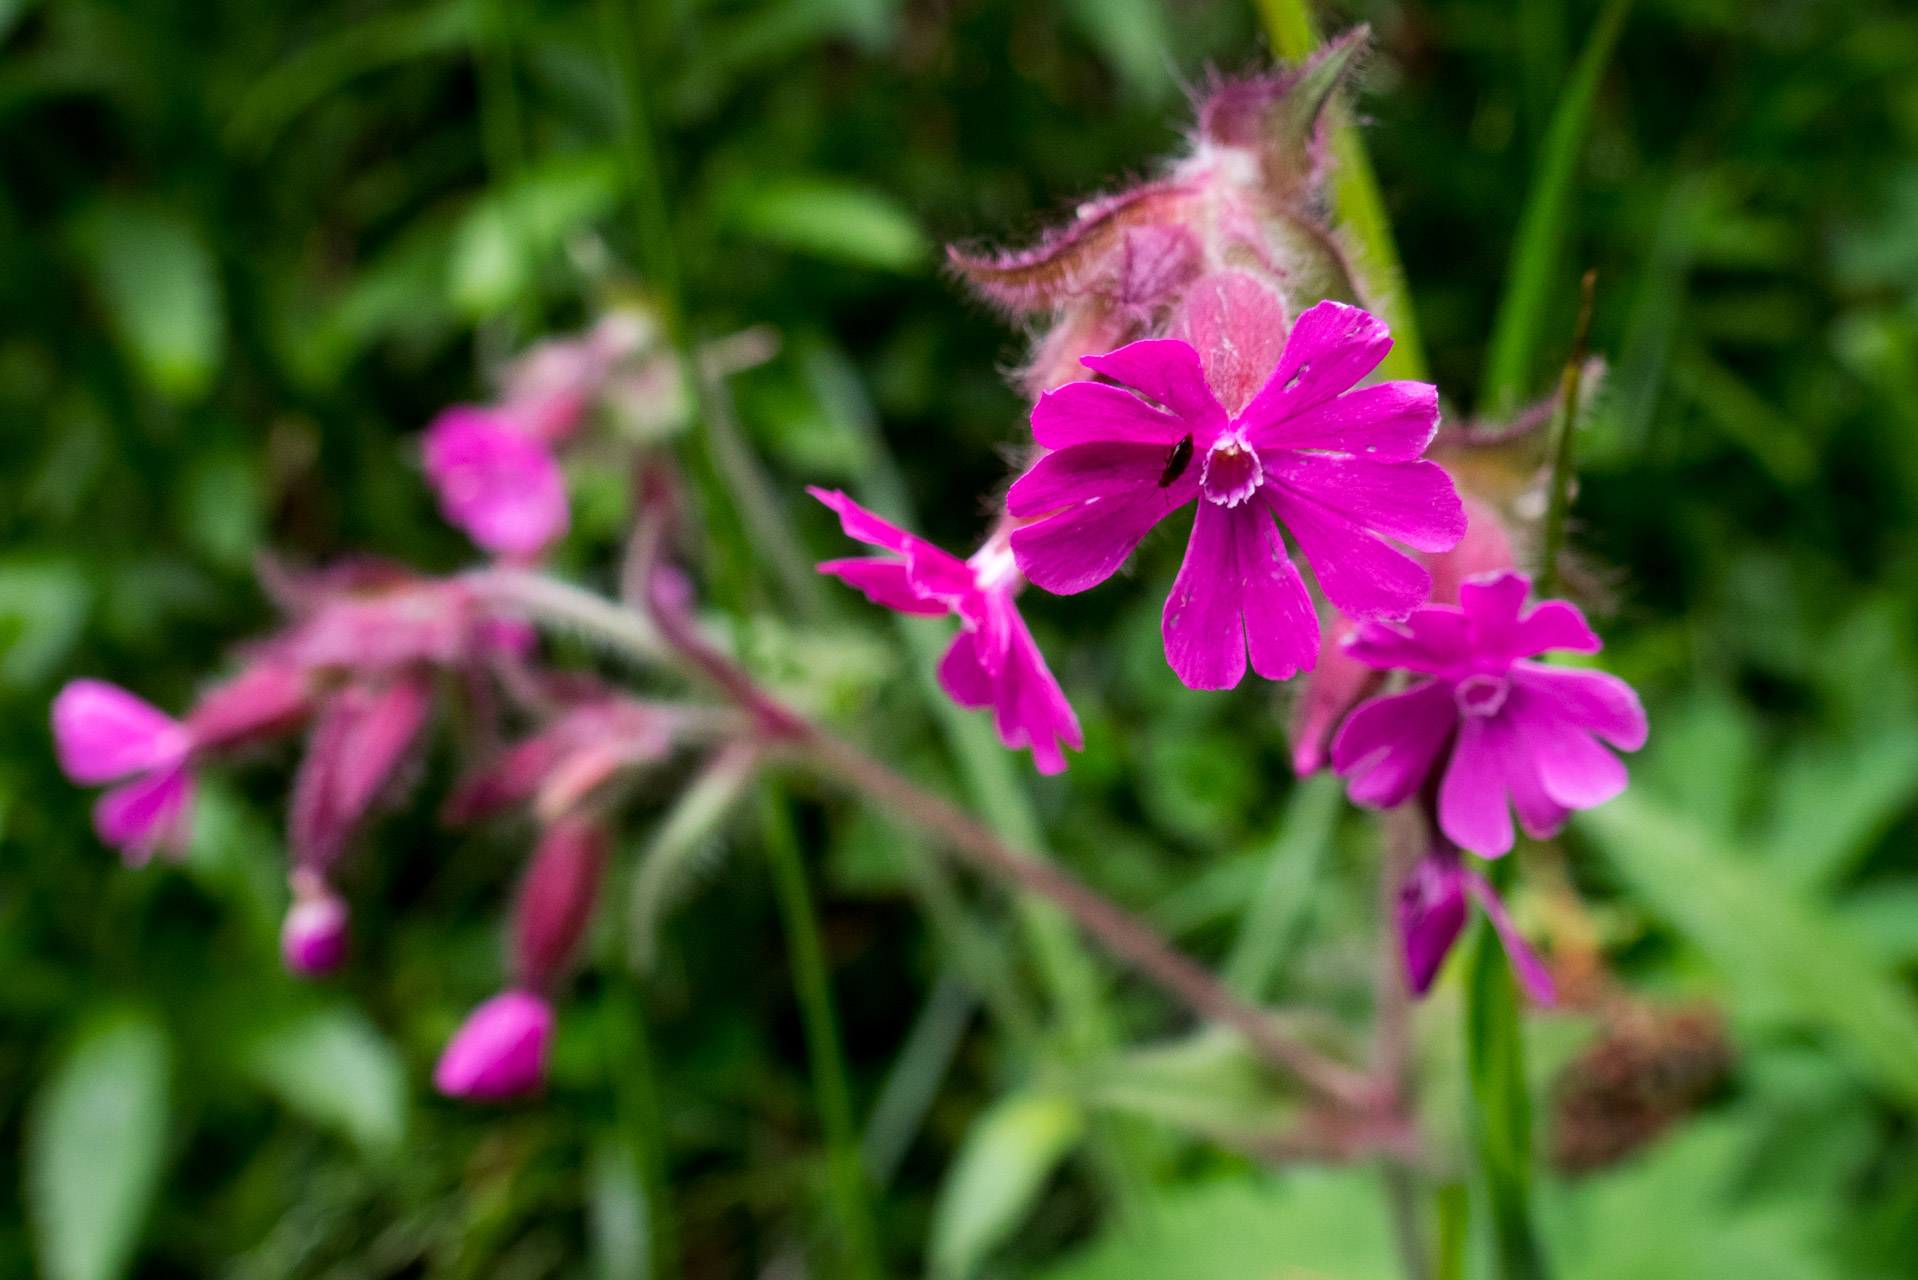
(636, 1109)
(652, 215)
(500, 130)
(1361, 206)
(832, 1095)
(1501, 1112)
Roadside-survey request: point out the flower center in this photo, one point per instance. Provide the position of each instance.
(1481, 695)
(1232, 472)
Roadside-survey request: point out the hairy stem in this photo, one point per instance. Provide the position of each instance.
(1122, 933)
(832, 1095)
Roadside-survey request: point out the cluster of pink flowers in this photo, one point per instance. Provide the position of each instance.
(1197, 355)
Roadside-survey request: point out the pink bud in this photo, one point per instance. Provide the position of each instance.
(499, 1052)
(556, 899)
(263, 701)
(313, 940)
(1485, 548)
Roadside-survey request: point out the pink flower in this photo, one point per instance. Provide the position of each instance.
(1431, 915)
(550, 387)
(1340, 681)
(313, 940)
(500, 1051)
(1213, 419)
(993, 661)
(1494, 726)
(495, 481)
(102, 733)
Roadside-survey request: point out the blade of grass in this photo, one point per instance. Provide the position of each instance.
(1273, 916)
(832, 1095)
(1517, 329)
(1560, 486)
(1355, 194)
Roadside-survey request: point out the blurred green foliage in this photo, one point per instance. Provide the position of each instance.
(247, 251)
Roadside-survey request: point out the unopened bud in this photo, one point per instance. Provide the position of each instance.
(499, 1052)
(556, 899)
(313, 940)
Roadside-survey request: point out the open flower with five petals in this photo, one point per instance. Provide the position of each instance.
(1486, 723)
(1340, 469)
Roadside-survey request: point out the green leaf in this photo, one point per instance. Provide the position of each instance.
(507, 237)
(1518, 331)
(95, 1144)
(618, 1220)
(1782, 951)
(43, 610)
(1308, 1225)
(157, 282)
(1832, 805)
(1673, 1214)
(337, 1070)
(830, 219)
(995, 1181)
(223, 509)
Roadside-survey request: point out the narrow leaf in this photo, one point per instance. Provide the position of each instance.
(995, 1182)
(337, 1070)
(156, 281)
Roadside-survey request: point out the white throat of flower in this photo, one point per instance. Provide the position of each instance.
(1231, 472)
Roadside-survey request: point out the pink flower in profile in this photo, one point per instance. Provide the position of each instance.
(563, 764)
(313, 939)
(1340, 681)
(496, 481)
(993, 661)
(102, 734)
(500, 1051)
(362, 735)
(1490, 725)
(1431, 914)
(1252, 434)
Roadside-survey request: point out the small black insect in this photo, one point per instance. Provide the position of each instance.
(1176, 461)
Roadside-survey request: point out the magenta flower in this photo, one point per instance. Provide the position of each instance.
(1494, 726)
(496, 481)
(500, 1051)
(556, 900)
(102, 734)
(1217, 422)
(1431, 915)
(362, 735)
(993, 661)
(559, 767)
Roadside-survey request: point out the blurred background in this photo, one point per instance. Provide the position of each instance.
(246, 252)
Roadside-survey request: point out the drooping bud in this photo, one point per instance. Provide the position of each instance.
(362, 734)
(499, 1052)
(313, 940)
(1430, 916)
(556, 900)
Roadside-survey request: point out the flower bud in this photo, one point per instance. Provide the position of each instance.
(1431, 915)
(313, 940)
(263, 701)
(556, 899)
(499, 1052)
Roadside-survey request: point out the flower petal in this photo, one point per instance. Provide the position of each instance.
(1387, 747)
(1084, 546)
(1554, 624)
(146, 814)
(961, 674)
(498, 484)
(102, 733)
(1360, 573)
(1492, 603)
(1573, 769)
(885, 583)
(1414, 502)
(1337, 683)
(1390, 422)
(1331, 347)
(1529, 969)
(1169, 372)
(1086, 472)
(1237, 586)
(1432, 640)
(1472, 808)
(1594, 700)
(1099, 413)
(1238, 326)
